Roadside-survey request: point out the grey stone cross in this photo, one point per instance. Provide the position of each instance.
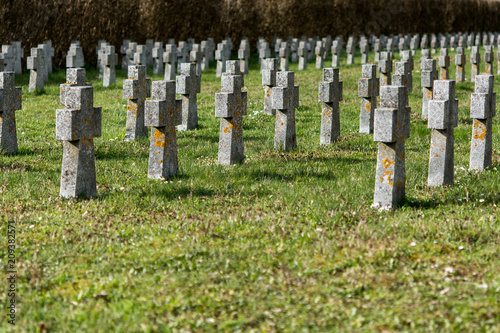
(285, 98)
(271, 68)
(136, 89)
(443, 116)
(161, 113)
(330, 94)
(230, 107)
(36, 65)
(188, 86)
(368, 90)
(10, 101)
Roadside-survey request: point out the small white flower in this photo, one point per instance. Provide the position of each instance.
(122, 188)
(413, 244)
(460, 247)
(449, 270)
(32, 226)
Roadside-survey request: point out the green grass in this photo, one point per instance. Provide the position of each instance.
(284, 242)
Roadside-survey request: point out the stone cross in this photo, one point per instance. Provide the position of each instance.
(319, 51)
(475, 60)
(444, 64)
(488, 59)
(351, 50)
(205, 50)
(74, 58)
(407, 57)
(330, 94)
(269, 82)
(264, 53)
(391, 128)
(49, 53)
(434, 43)
(10, 101)
(170, 58)
(244, 55)
(284, 55)
(400, 77)
(336, 53)
(132, 46)
(136, 89)
(482, 111)
(161, 117)
(424, 42)
(302, 55)
(36, 64)
(228, 48)
(327, 44)
(19, 55)
(428, 76)
(230, 107)
(364, 48)
(9, 54)
(277, 45)
(188, 86)
(77, 125)
(460, 62)
(285, 99)
(377, 47)
(220, 56)
(141, 55)
(443, 116)
(368, 90)
(123, 51)
(149, 52)
(385, 68)
(196, 57)
(426, 54)
(109, 61)
(75, 77)
(100, 54)
(157, 54)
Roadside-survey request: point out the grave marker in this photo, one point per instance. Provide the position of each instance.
(428, 76)
(475, 60)
(10, 101)
(230, 107)
(368, 90)
(488, 59)
(319, 51)
(157, 54)
(269, 82)
(482, 111)
(385, 68)
(285, 99)
(330, 94)
(443, 116)
(460, 62)
(444, 64)
(36, 64)
(170, 58)
(188, 86)
(136, 89)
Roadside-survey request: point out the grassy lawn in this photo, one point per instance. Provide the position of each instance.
(284, 242)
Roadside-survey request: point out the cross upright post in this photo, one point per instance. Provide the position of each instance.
(188, 86)
(77, 125)
(10, 101)
(444, 64)
(482, 111)
(368, 90)
(170, 58)
(319, 51)
(428, 76)
(330, 94)
(161, 117)
(230, 107)
(36, 64)
(475, 60)
(391, 128)
(488, 59)
(157, 53)
(109, 62)
(460, 62)
(285, 99)
(269, 82)
(443, 116)
(136, 89)
(385, 68)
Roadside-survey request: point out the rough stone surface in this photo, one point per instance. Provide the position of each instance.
(444, 64)
(319, 51)
(10, 101)
(230, 107)
(488, 59)
(74, 58)
(302, 54)
(157, 54)
(482, 111)
(391, 128)
(368, 90)
(136, 89)
(160, 115)
(285, 98)
(77, 125)
(188, 86)
(269, 82)
(443, 116)
(109, 61)
(330, 93)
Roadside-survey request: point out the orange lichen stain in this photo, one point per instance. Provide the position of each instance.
(436, 155)
(281, 124)
(399, 183)
(387, 163)
(429, 94)
(159, 161)
(368, 105)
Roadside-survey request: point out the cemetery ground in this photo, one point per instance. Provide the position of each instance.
(282, 242)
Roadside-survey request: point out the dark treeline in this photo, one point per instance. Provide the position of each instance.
(61, 21)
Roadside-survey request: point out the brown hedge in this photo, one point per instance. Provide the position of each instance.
(61, 21)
